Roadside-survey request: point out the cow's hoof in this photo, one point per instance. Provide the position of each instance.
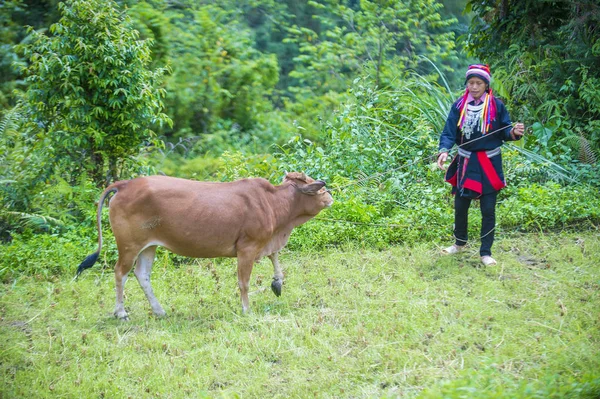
(276, 286)
(123, 316)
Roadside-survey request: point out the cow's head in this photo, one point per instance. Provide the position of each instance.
(312, 188)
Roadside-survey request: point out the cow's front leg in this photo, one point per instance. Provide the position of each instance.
(245, 265)
(142, 271)
(277, 274)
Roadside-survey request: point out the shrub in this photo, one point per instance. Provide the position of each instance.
(47, 255)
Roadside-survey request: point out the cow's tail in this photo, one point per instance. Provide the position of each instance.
(91, 259)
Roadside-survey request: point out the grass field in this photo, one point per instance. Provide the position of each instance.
(403, 322)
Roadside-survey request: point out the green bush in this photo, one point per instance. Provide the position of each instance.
(48, 255)
(549, 206)
(198, 168)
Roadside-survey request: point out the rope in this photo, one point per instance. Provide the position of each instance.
(387, 225)
(480, 237)
(357, 223)
(399, 168)
(415, 161)
(379, 174)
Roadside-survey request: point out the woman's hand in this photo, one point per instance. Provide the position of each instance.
(442, 160)
(517, 131)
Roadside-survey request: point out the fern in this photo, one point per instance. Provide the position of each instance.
(556, 172)
(583, 146)
(9, 121)
(586, 152)
(31, 220)
(364, 180)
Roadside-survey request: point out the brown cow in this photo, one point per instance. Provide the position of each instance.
(247, 219)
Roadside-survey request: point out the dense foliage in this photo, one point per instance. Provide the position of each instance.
(354, 92)
(389, 190)
(547, 55)
(218, 78)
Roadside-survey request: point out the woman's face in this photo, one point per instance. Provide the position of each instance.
(476, 87)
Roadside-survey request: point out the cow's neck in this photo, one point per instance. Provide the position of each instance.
(291, 213)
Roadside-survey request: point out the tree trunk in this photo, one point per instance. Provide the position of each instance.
(504, 9)
(96, 166)
(113, 172)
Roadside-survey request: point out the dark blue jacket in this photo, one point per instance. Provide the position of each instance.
(452, 135)
(478, 175)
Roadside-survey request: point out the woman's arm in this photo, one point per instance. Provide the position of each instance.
(448, 136)
(509, 134)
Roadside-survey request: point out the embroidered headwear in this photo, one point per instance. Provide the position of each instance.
(488, 113)
(480, 71)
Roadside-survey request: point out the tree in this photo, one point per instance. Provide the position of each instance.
(9, 30)
(380, 38)
(91, 99)
(219, 81)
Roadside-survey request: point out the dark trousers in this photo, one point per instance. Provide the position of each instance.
(488, 221)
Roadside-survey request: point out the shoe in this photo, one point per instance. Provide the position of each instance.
(453, 249)
(488, 260)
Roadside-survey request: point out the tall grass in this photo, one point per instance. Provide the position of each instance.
(404, 322)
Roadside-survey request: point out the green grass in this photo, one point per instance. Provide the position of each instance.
(402, 322)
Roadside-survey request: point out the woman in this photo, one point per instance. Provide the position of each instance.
(478, 123)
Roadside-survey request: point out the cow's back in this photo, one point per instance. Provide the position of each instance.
(191, 218)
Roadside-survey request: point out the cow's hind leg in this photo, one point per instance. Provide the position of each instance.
(142, 272)
(245, 265)
(277, 274)
(122, 269)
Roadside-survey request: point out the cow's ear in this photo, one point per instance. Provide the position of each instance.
(297, 176)
(313, 188)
